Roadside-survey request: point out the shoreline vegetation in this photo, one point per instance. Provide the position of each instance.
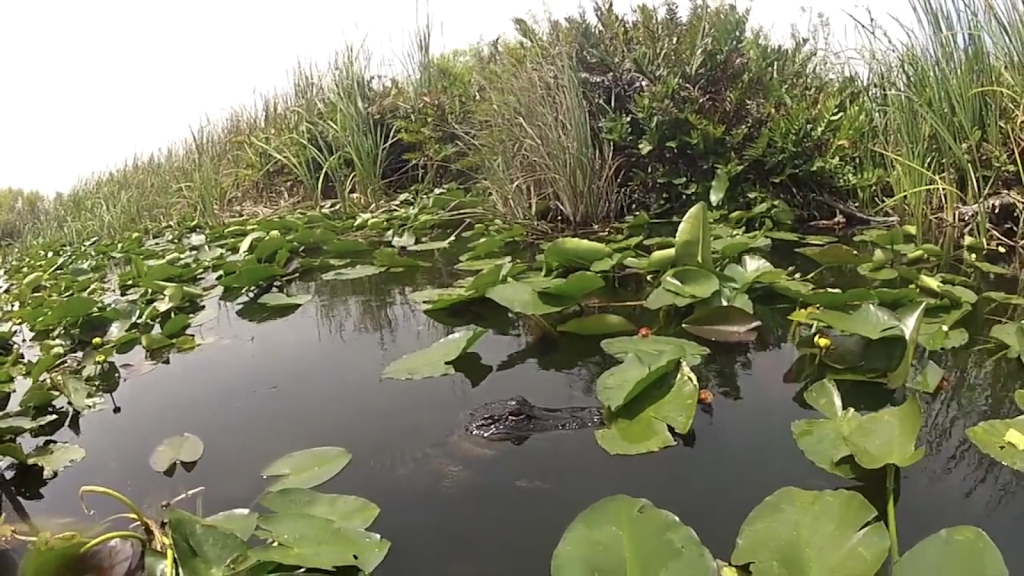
(579, 121)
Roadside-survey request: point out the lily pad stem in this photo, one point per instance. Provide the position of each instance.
(890, 511)
(123, 500)
(125, 534)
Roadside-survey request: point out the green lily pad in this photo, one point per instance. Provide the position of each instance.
(693, 239)
(833, 255)
(251, 275)
(620, 383)
(277, 299)
(435, 360)
(522, 299)
(241, 522)
(576, 286)
(576, 252)
(650, 348)
(809, 533)
(598, 324)
(955, 550)
(360, 271)
(307, 468)
(887, 436)
(869, 320)
(1000, 439)
(186, 448)
(621, 536)
(201, 547)
(53, 457)
(351, 511)
(690, 282)
(321, 543)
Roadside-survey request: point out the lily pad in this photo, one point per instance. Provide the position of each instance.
(955, 550)
(598, 324)
(693, 239)
(576, 252)
(833, 255)
(997, 439)
(626, 536)
(278, 299)
(53, 457)
(522, 299)
(807, 533)
(436, 359)
(307, 468)
(360, 271)
(869, 320)
(723, 324)
(351, 511)
(619, 384)
(648, 348)
(186, 448)
(321, 543)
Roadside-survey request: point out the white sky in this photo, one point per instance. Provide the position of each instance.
(85, 85)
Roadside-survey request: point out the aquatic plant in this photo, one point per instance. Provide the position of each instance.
(78, 319)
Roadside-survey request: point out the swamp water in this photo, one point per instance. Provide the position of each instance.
(454, 505)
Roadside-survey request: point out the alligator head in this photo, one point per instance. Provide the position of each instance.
(515, 419)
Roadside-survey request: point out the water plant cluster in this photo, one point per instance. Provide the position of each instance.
(583, 119)
(79, 319)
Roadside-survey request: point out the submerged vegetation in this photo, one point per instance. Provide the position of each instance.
(582, 120)
(80, 319)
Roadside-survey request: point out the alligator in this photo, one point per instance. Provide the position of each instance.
(515, 419)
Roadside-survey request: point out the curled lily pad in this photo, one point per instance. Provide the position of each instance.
(185, 448)
(575, 252)
(598, 324)
(723, 324)
(436, 359)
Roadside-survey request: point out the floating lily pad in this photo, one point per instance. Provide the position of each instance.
(307, 468)
(723, 324)
(278, 299)
(361, 271)
(598, 324)
(626, 536)
(576, 252)
(436, 359)
(186, 448)
(955, 550)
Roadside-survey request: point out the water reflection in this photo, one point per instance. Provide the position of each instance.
(264, 389)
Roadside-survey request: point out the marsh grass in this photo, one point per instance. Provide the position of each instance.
(541, 159)
(944, 103)
(947, 118)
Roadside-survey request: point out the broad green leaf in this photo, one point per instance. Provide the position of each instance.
(1011, 334)
(598, 324)
(661, 297)
(53, 457)
(754, 268)
(176, 325)
(307, 468)
(677, 407)
(956, 550)
(280, 299)
(316, 536)
(625, 536)
(910, 325)
(833, 254)
(620, 383)
(723, 324)
(185, 448)
(824, 397)
(241, 522)
(390, 258)
(351, 511)
(869, 320)
(995, 438)
(576, 286)
(1018, 398)
(153, 341)
(822, 442)
(690, 282)
(693, 239)
(575, 252)
(360, 271)
(718, 187)
(434, 360)
(887, 436)
(522, 299)
(810, 533)
(650, 348)
(201, 547)
(251, 275)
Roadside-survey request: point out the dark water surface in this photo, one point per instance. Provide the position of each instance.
(454, 506)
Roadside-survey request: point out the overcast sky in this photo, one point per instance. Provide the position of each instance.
(87, 84)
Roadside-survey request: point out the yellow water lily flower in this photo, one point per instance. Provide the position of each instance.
(100, 358)
(822, 341)
(97, 341)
